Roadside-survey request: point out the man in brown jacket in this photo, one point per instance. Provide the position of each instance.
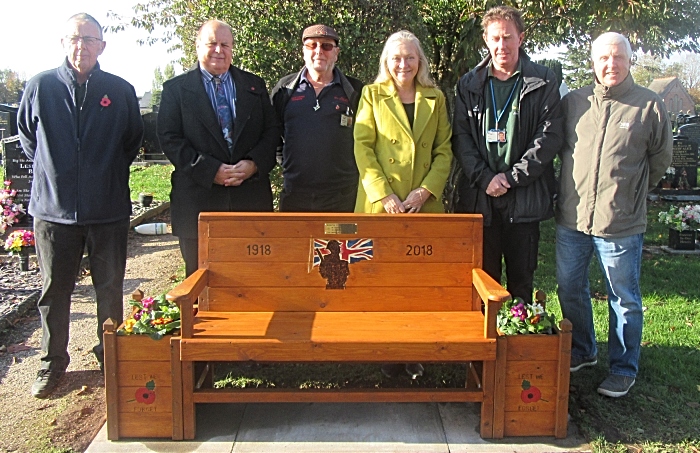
(618, 146)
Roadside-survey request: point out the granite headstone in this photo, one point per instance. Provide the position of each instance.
(685, 163)
(692, 131)
(19, 170)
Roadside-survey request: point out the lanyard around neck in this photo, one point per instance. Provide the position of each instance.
(496, 115)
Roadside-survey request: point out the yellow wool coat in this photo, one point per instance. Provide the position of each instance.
(391, 157)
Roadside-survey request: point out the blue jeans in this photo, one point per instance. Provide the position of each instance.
(620, 260)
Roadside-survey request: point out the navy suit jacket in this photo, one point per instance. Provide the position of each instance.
(190, 136)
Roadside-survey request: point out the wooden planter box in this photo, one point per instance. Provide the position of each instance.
(139, 386)
(531, 396)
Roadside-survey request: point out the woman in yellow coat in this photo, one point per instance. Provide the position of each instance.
(402, 134)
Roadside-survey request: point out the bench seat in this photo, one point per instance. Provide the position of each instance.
(455, 336)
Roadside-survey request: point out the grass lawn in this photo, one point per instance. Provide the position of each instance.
(152, 178)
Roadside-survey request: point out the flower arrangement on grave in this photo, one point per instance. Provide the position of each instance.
(18, 240)
(681, 218)
(667, 179)
(11, 211)
(155, 317)
(516, 317)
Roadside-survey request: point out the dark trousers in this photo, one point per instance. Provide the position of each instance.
(59, 251)
(517, 244)
(189, 247)
(342, 200)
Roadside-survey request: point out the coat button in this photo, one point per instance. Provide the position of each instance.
(424, 145)
(391, 160)
(426, 165)
(390, 179)
(393, 141)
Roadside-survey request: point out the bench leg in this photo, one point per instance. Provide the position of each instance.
(488, 378)
(188, 414)
(176, 367)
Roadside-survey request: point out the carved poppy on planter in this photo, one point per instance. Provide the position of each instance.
(147, 394)
(530, 393)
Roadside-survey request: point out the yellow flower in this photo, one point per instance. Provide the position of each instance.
(129, 325)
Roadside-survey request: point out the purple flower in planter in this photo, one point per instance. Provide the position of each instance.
(518, 311)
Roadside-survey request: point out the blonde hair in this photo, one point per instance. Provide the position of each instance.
(423, 77)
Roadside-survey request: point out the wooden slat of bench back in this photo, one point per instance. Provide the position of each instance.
(262, 262)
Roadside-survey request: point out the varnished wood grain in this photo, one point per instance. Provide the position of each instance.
(543, 373)
(333, 396)
(362, 274)
(269, 225)
(142, 348)
(533, 348)
(111, 382)
(524, 424)
(422, 298)
(428, 249)
(132, 424)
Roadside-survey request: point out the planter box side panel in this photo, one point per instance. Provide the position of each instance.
(531, 381)
(144, 387)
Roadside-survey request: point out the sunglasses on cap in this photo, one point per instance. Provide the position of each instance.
(327, 46)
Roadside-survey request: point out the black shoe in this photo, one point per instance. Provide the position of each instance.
(392, 370)
(46, 382)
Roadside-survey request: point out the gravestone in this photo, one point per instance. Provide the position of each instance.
(18, 169)
(685, 163)
(692, 131)
(4, 125)
(8, 121)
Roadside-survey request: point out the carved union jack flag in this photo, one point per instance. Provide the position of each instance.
(351, 250)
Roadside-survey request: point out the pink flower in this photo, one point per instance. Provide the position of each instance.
(518, 311)
(105, 101)
(147, 303)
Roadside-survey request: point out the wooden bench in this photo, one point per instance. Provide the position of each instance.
(338, 288)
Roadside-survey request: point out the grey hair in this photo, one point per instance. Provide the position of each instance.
(611, 38)
(83, 18)
(403, 36)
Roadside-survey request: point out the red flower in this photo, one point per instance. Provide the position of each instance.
(105, 101)
(143, 395)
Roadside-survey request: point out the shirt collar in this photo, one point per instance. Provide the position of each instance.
(305, 72)
(208, 77)
(516, 73)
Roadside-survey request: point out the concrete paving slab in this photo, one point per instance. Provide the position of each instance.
(340, 428)
(461, 423)
(217, 425)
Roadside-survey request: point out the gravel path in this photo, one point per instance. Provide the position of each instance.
(70, 417)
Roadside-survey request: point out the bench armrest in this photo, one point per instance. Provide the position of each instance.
(185, 294)
(493, 295)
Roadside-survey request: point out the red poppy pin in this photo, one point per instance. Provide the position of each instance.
(105, 101)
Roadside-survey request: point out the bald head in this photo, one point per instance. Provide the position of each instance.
(215, 46)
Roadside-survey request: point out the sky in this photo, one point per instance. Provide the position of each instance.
(44, 21)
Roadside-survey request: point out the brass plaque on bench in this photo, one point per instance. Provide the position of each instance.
(340, 228)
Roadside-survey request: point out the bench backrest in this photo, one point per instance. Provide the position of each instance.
(339, 262)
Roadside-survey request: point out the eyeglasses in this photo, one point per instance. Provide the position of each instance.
(87, 40)
(327, 46)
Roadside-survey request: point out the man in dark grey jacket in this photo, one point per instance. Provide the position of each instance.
(618, 146)
(316, 107)
(82, 128)
(507, 128)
